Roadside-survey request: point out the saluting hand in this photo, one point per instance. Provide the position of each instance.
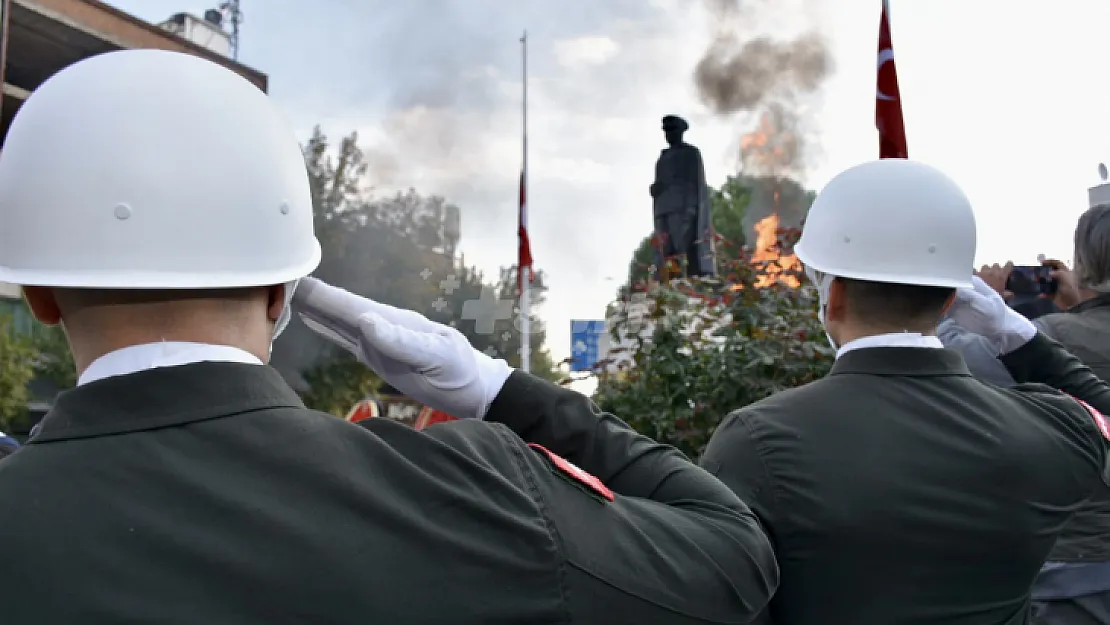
(427, 361)
(981, 310)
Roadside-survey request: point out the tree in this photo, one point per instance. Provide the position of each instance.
(17, 369)
(54, 362)
(338, 384)
(712, 346)
(729, 206)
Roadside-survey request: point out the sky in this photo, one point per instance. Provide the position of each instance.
(1003, 96)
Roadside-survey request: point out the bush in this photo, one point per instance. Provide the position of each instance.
(338, 383)
(714, 346)
(17, 368)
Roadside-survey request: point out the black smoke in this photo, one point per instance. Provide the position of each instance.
(746, 72)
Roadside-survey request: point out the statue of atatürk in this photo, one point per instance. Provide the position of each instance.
(682, 221)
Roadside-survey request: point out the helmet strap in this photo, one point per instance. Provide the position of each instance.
(286, 312)
(823, 281)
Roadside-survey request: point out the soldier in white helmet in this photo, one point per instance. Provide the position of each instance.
(157, 206)
(900, 490)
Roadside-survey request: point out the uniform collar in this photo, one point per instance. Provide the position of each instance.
(164, 396)
(900, 357)
(896, 339)
(164, 354)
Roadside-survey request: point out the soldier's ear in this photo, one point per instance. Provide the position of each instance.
(43, 304)
(948, 303)
(275, 302)
(836, 307)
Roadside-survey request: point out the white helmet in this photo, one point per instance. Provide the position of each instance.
(146, 169)
(894, 221)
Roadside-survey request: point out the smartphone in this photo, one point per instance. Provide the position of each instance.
(1031, 280)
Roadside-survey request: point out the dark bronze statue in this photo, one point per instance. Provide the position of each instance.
(681, 208)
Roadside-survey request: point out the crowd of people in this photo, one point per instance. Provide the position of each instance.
(182, 481)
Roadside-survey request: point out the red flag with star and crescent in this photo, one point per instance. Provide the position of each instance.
(888, 100)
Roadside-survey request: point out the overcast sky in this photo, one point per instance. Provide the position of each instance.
(1004, 96)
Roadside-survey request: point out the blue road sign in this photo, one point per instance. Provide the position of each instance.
(585, 338)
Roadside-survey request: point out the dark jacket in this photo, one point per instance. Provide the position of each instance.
(207, 493)
(900, 490)
(1085, 331)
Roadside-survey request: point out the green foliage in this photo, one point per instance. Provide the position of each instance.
(17, 368)
(708, 347)
(643, 262)
(396, 250)
(728, 206)
(338, 384)
(55, 361)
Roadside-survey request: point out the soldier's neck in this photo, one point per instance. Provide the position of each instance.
(851, 333)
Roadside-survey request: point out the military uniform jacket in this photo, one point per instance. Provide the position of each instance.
(900, 490)
(207, 493)
(1084, 330)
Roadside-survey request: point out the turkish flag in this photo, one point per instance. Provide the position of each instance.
(524, 249)
(365, 409)
(429, 416)
(888, 101)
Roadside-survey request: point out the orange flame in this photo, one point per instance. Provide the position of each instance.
(768, 255)
(767, 150)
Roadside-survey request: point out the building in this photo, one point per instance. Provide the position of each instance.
(207, 32)
(1100, 194)
(40, 37)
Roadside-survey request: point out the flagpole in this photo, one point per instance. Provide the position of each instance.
(525, 272)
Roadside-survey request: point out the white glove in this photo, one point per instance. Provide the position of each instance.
(427, 361)
(983, 311)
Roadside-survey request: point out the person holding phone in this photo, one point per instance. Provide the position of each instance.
(1031, 290)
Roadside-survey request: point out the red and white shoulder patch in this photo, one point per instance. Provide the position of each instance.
(578, 475)
(1100, 420)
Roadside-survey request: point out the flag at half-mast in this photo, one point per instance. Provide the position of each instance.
(888, 100)
(524, 248)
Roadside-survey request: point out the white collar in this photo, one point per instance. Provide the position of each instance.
(165, 354)
(896, 339)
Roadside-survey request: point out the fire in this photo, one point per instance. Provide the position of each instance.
(757, 151)
(771, 148)
(770, 151)
(768, 255)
